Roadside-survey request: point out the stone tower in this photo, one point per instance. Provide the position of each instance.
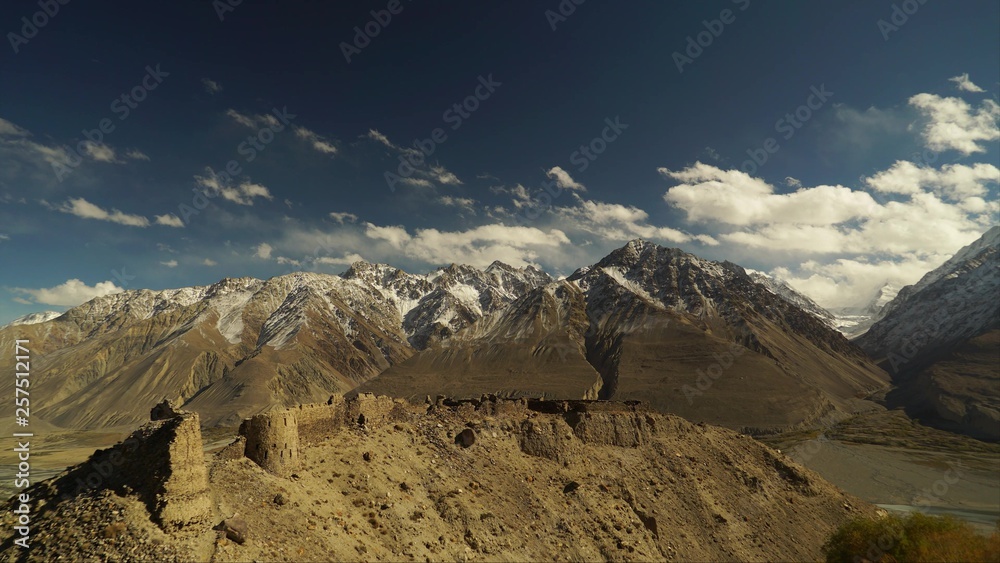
(273, 441)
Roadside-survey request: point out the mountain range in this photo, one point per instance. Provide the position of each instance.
(707, 340)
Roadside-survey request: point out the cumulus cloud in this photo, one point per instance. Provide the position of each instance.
(4, 237)
(264, 251)
(169, 220)
(86, 210)
(953, 124)
(963, 83)
(209, 262)
(170, 263)
(955, 181)
(71, 293)
(564, 180)
(315, 140)
(708, 193)
(935, 211)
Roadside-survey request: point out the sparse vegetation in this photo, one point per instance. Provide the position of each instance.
(915, 537)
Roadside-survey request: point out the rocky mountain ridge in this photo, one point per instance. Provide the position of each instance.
(940, 340)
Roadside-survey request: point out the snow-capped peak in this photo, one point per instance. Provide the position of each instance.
(33, 318)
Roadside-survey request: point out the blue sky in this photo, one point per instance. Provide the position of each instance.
(889, 166)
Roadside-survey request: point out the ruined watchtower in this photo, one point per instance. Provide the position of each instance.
(273, 441)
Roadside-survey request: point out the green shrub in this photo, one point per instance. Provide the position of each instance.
(915, 537)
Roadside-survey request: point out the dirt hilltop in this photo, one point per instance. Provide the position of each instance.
(373, 478)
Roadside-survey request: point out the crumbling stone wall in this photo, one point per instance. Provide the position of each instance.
(272, 441)
(162, 463)
(372, 411)
(316, 422)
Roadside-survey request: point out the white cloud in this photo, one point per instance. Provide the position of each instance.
(99, 152)
(564, 180)
(83, 208)
(341, 217)
(71, 293)
(954, 124)
(955, 181)
(209, 262)
(170, 220)
(850, 282)
(243, 120)
(264, 251)
(317, 142)
(136, 154)
(211, 86)
(465, 203)
(4, 237)
(963, 83)
(8, 129)
(379, 138)
(443, 176)
(734, 197)
(480, 246)
(616, 222)
(254, 121)
(935, 212)
(345, 260)
(242, 194)
(170, 263)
